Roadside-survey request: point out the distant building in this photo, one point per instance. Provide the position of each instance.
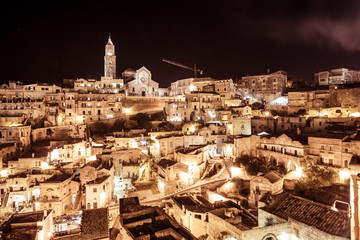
(267, 87)
(337, 76)
(110, 60)
(141, 84)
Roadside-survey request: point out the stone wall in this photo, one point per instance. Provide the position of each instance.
(59, 133)
(219, 227)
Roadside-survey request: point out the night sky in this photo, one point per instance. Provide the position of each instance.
(49, 41)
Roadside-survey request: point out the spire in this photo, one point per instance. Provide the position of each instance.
(109, 41)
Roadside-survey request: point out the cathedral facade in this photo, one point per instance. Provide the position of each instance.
(141, 84)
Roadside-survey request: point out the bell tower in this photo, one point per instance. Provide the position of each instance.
(110, 59)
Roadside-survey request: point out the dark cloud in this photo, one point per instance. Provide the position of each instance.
(328, 25)
(332, 34)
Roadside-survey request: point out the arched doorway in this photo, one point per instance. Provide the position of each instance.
(143, 92)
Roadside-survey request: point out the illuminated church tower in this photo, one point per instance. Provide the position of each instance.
(110, 59)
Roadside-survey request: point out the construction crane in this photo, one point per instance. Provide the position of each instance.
(184, 66)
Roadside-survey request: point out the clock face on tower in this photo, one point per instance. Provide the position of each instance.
(109, 53)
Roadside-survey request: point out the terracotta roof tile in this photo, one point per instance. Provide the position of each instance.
(312, 214)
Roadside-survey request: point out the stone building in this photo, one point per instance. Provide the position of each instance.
(263, 88)
(262, 124)
(285, 123)
(141, 84)
(190, 213)
(183, 87)
(229, 223)
(287, 150)
(137, 221)
(163, 166)
(246, 145)
(99, 192)
(344, 96)
(330, 149)
(270, 183)
(239, 126)
(110, 60)
(104, 85)
(337, 76)
(166, 145)
(80, 108)
(308, 98)
(20, 135)
(30, 225)
(293, 217)
(189, 166)
(56, 194)
(197, 106)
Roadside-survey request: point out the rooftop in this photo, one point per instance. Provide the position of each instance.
(154, 224)
(190, 149)
(99, 180)
(328, 135)
(130, 204)
(58, 177)
(312, 214)
(163, 163)
(272, 177)
(191, 204)
(26, 226)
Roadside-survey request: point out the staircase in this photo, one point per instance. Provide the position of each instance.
(79, 197)
(5, 200)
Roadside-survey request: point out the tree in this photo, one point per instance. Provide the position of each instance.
(257, 106)
(166, 126)
(158, 116)
(301, 112)
(317, 176)
(142, 119)
(98, 128)
(131, 124)
(253, 165)
(118, 125)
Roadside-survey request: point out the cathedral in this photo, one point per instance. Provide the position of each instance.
(137, 83)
